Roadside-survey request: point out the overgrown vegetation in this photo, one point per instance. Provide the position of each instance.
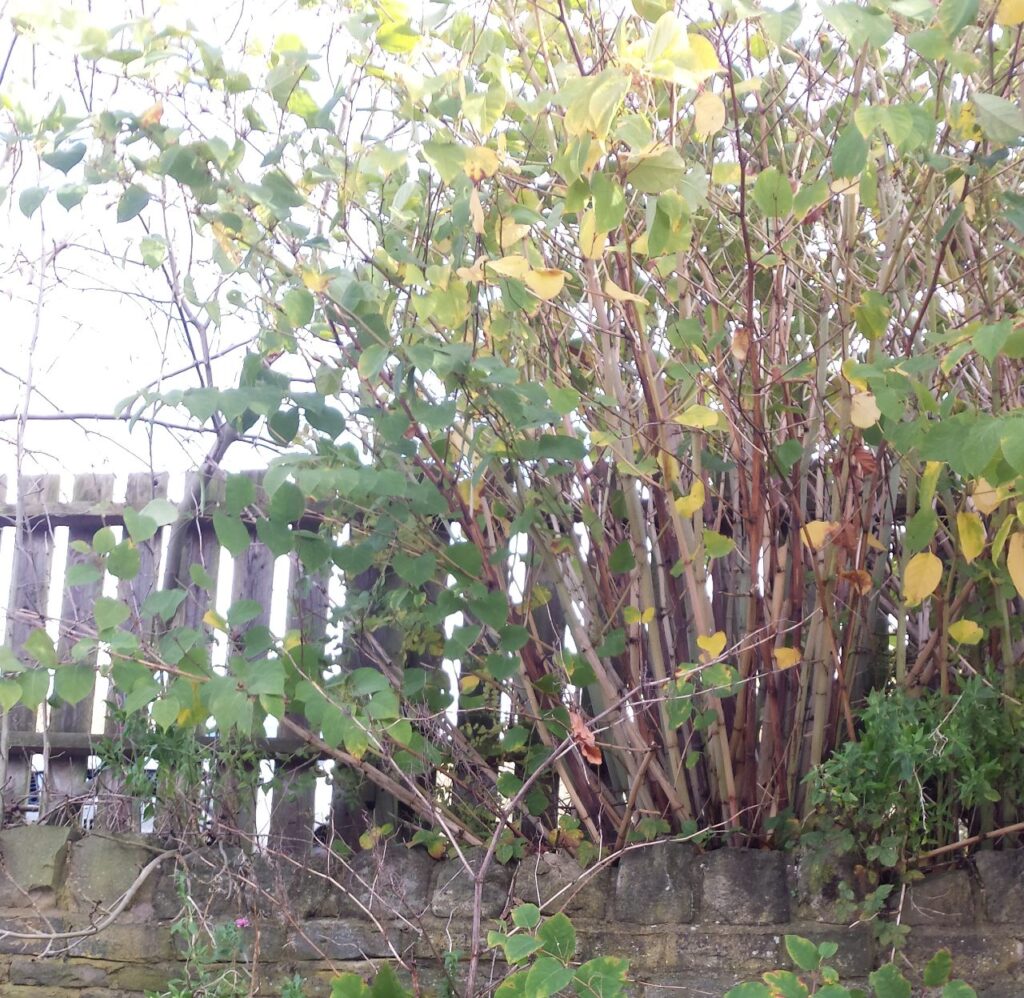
(651, 379)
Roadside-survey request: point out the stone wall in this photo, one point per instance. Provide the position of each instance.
(691, 923)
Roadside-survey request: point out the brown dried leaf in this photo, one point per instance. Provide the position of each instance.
(584, 739)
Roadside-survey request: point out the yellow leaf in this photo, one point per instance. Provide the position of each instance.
(472, 275)
(740, 345)
(966, 632)
(708, 114)
(151, 116)
(725, 173)
(921, 576)
(817, 533)
(316, 282)
(972, 535)
(591, 241)
(713, 644)
(692, 502)
(700, 417)
(987, 497)
(476, 212)
(480, 162)
(1010, 13)
(613, 291)
(1015, 562)
(510, 233)
(213, 619)
(514, 266)
(864, 411)
(546, 283)
(860, 581)
(468, 683)
(859, 383)
(786, 658)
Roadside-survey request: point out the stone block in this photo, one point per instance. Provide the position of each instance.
(32, 859)
(554, 882)
(386, 883)
(940, 899)
(124, 939)
(645, 949)
(725, 951)
(814, 881)
(217, 880)
(284, 889)
(657, 884)
(19, 941)
(856, 955)
(692, 985)
(338, 939)
(744, 887)
(101, 868)
(59, 972)
(1001, 875)
(453, 888)
(979, 956)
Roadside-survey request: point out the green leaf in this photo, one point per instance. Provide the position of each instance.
(165, 713)
(298, 304)
(955, 15)
(656, 172)
(622, 559)
(30, 199)
(73, 683)
(232, 533)
(153, 250)
(65, 159)
(850, 153)
(609, 202)
(859, 25)
(959, 989)
(133, 200)
(35, 686)
(930, 43)
(547, 977)
(558, 937)
(82, 574)
(288, 503)
(752, 989)
(140, 528)
(1000, 120)
(773, 193)
(803, 952)
(10, 693)
(717, 546)
(526, 916)
(780, 24)
(372, 360)
(239, 492)
(124, 562)
(109, 613)
(888, 982)
(39, 645)
(70, 195)
(938, 969)
(602, 977)
(517, 948)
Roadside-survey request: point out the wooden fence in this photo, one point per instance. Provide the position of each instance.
(48, 756)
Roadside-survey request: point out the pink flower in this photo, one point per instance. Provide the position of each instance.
(242, 923)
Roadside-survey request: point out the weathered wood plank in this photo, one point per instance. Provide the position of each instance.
(30, 589)
(116, 809)
(292, 815)
(66, 777)
(235, 793)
